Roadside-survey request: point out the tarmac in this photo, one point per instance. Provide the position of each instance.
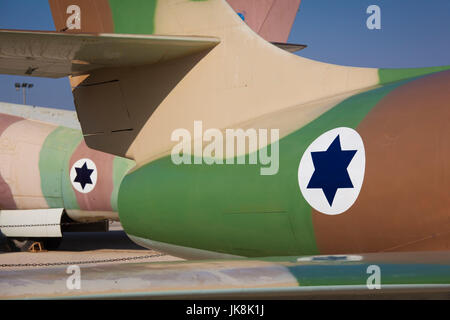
(85, 248)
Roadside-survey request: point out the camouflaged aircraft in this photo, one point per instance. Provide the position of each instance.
(363, 171)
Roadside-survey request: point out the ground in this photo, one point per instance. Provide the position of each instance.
(85, 247)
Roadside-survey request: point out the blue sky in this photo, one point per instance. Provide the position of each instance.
(414, 33)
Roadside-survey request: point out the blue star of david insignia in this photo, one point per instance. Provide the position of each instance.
(330, 171)
(83, 175)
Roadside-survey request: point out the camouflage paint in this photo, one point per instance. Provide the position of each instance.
(259, 215)
(410, 129)
(59, 148)
(355, 274)
(114, 16)
(120, 167)
(141, 11)
(25, 139)
(99, 199)
(271, 19)
(391, 75)
(232, 208)
(403, 275)
(6, 197)
(55, 153)
(96, 15)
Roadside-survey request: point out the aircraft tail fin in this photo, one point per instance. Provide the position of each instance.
(271, 19)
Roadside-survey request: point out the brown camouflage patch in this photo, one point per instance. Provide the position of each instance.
(405, 198)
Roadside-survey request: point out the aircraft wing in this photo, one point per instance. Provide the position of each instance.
(400, 275)
(57, 54)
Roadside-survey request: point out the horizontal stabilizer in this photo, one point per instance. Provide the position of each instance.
(56, 54)
(289, 47)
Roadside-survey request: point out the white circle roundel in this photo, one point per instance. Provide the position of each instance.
(83, 175)
(331, 171)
